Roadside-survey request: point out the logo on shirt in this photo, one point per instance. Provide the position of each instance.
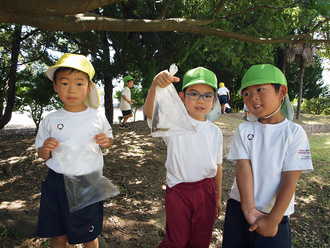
(91, 229)
(250, 136)
(304, 154)
(60, 126)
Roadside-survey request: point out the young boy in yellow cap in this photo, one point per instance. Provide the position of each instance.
(224, 96)
(194, 171)
(126, 101)
(270, 153)
(76, 121)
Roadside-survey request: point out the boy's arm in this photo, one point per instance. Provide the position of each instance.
(49, 144)
(125, 98)
(163, 79)
(268, 226)
(245, 184)
(218, 187)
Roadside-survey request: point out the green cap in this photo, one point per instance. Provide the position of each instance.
(262, 74)
(127, 78)
(199, 75)
(267, 74)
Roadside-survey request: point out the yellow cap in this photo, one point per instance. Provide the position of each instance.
(221, 85)
(80, 63)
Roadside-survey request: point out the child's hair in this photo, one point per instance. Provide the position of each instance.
(71, 70)
(276, 87)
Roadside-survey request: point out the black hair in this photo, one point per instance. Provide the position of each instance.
(71, 70)
(276, 87)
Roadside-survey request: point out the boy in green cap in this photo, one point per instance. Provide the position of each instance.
(126, 101)
(194, 171)
(77, 121)
(270, 153)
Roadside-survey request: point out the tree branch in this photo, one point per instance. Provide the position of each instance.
(163, 10)
(220, 7)
(51, 7)
(90, 21)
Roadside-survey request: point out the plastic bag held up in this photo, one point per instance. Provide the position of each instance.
(82, 165)
(170, 116)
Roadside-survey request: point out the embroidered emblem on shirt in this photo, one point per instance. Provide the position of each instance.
(250, 136)
(60, 126)
(91, 228)
(304, 154)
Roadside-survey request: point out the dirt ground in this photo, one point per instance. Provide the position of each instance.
(135, 164)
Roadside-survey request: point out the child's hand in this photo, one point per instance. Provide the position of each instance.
(265, 227)
(219, 208)
(133, 101)
(164, 79)
(103, 140)
(48, 145)
(253, 215)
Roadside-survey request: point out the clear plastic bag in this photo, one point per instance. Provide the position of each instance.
(215, 112)
(82, 164)
(170, 116)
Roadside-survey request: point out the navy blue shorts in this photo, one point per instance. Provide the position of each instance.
(236, 232)
(82, 226)
(223, 99)
(126, 112)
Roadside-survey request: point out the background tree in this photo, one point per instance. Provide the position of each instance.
(124, 37)
(36, 96)
(195, 17)
(18, 47)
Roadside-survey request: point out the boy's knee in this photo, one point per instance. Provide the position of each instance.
(92, 244)
(59, 241)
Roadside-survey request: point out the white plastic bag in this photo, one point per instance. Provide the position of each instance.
(82, 164)
(170, 116)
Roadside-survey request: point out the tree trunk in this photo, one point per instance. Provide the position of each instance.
(301, 83)
(108, 106)
(282, 58)
(5, 118)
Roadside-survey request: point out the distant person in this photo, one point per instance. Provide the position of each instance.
(224, 97)
(228, 108)
(77, 121)
(246, 113)
(126, 101)
(193, 164)
(270, 153)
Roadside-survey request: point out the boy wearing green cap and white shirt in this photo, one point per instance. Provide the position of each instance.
(194, 171)
(76, 121)
(126, 101)
(270, 155)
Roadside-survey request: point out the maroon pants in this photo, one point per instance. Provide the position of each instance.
(190, 214)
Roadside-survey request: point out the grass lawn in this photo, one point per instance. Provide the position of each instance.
(313, 198)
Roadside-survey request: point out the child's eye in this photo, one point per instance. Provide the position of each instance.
(79, 84)
(208, 96)
(246, 94)
(193, 94)
(260, 89)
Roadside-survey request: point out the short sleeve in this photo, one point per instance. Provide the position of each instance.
(298, 156)
(43, 133)
(237, 149)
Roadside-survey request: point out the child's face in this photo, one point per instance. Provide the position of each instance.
(130, 83)
(263, 100)
(72, 89)
(197, 109)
